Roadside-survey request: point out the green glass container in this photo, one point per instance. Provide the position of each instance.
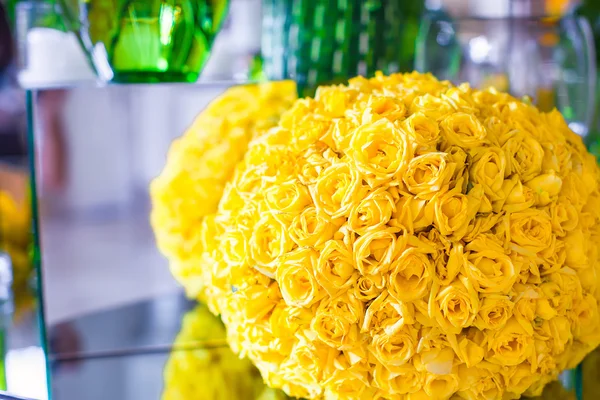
(326, 41)
(146, 41)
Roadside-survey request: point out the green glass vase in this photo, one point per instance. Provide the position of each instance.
(146, 41)
(324, 41)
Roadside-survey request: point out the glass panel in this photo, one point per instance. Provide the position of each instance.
(22, 358)
(97, 150)
(491, 52)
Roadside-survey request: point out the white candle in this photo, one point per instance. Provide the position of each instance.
(54, 57)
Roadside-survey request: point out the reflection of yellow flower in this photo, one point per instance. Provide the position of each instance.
(15, 241)
(206, 368)
(202, 161)
(400, 237)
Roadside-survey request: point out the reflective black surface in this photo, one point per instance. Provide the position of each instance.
(140, 327)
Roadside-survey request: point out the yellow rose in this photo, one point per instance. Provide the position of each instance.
(530, 231)
(524, 155)
(335, 269)
(488, 267)
(412, 214)
(387, 107)
(529, 270)
(335, 327)
(429, 174)
(557, 157)
(235, 246)
(311, 229)
(333, 102)
(274, 160)
(454, 306)
(380, 151)
(298, 285)
(346, 384)
(261, 300)
(246, 184)
(564, 217)
(430, 106)
(372, 212)
(480, 225)
(519, 378)
(559, 332)
(459, 157)
(397, 349)
(480, 382)
(368, 287)
(435, 360)
(298, 369)
(509, 346)
(285, 322)
(373, 252)
(468, 348)
(464, 130)
(454, 211)
(423, 130)
(545, 187)
(312, 166)
(398, 380)
(388, 315)
(411, 275)
(573, 191)
(519, 197)
(448, 267)
(576, 247)
(585, 317)
(307, 131)
(494, 311)
(335, 189)
(289, 198)
(487, 169)
(268, 242)
(440, 386)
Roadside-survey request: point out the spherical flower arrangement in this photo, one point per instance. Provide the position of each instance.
(201, 162)
(401, 237)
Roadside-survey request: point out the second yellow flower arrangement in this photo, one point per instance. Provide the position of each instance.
(400, 237)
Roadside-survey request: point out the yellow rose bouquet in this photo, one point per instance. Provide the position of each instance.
(404, 238)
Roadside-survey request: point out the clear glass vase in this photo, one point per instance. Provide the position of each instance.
(514, 48)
